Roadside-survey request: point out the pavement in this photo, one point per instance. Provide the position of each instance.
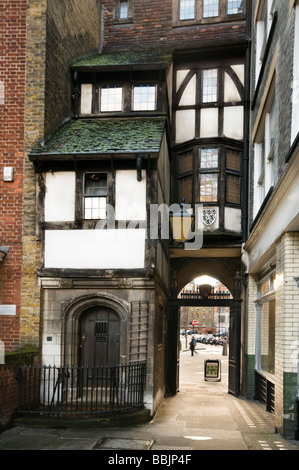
(202, 416)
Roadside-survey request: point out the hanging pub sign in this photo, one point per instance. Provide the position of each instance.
(212, 370)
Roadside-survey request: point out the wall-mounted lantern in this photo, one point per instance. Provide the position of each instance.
(181, 224)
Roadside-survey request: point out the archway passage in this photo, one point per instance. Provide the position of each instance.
(100, 337)
(227, 271)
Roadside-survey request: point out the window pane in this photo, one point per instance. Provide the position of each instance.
(268, 336)
(233, 189)
(208, 158)
(111, 99)
(210, 8)
(123, 9)
(210, 85)
(95, 208)
(233, 161)
(187, 9)
(234, 7)
(95, 184)
(185, 162)
(208, 187)
(144, 98)
(185, 189)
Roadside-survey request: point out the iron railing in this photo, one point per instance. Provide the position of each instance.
(76, 390)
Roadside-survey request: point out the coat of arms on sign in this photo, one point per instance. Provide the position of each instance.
(208, 216)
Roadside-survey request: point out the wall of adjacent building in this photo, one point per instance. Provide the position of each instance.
(12, 114)
(58, 32)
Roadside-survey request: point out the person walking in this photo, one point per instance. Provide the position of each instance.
(192, 345)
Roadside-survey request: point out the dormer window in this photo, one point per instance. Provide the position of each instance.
(111, 99)
(97, 99)
(144, 98)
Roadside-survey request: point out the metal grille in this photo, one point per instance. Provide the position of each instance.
(75, 390)
(265, 392)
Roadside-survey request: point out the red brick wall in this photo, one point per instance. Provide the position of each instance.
(12, 105)
(153, 26)
(9, 395)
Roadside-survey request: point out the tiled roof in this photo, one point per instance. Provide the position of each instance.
(104, 136)
(142, 57)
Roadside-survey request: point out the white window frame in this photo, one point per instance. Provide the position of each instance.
(264, 150)
(263, 22)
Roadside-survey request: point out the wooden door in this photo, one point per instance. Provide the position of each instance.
(100, 335)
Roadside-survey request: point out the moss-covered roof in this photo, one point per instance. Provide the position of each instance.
(104, 136)
(127, 58)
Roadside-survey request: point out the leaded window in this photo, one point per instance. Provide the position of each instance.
(210, 8)
(187, 9)
(95, 195)
(144, 98)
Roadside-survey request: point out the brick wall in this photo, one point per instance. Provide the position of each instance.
(9, 386)
(12, 106)
(73, 31)
(152, 26)
(58, 33)
(287, 331)
(283, 37)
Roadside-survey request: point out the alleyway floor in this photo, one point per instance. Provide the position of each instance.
(202, 416)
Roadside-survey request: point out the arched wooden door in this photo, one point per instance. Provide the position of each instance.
(100, 335)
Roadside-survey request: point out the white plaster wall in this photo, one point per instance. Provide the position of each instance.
(95, 249)
(86, 98)
(209, 122)
(232, 219)
(240, 72)
(185, 125)
(180, 76)
(60, 196)
(231, 92)
(130, 195)
(188, 96)
(233, 122)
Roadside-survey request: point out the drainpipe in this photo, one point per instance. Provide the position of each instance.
(297, 398)
(102, 13)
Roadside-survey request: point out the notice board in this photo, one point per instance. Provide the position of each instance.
(212, 370)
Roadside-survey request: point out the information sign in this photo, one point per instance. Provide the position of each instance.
(212, 370)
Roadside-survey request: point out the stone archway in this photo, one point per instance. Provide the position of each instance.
(72, 313)
(226, 270)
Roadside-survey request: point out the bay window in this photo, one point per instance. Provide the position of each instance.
(198, 175)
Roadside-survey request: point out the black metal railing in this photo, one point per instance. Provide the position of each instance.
(76, 390)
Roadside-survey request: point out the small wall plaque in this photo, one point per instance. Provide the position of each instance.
(8, 173)
(8, 310)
